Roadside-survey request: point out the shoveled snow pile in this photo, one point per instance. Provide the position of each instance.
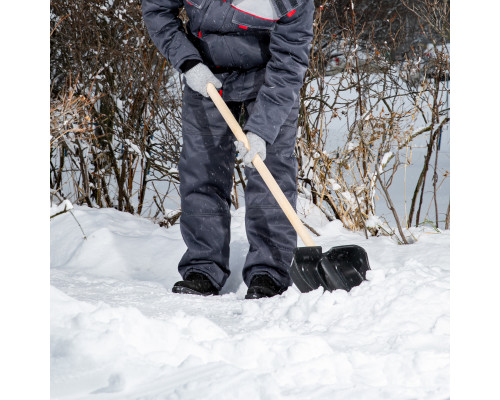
(117, 331)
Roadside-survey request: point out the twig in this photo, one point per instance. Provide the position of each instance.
(447, 220)
(54, 192)
(435, 180)
(360, 214)
(58, 23)
(73, 215)
(310, 228)
(393, 209)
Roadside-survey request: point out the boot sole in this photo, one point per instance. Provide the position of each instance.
(185, 290)
(259, 293)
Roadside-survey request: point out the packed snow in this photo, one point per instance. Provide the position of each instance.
(118, 332)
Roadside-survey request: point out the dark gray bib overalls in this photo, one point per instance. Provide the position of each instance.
(259, 50)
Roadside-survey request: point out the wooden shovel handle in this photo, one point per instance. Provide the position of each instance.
(261, 167)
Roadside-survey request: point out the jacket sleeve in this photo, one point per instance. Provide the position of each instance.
(284, 75)
(166, 31)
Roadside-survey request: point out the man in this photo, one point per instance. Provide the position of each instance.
(256, 52)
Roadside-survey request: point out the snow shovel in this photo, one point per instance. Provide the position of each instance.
(341, 267)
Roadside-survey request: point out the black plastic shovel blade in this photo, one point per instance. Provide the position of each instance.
(304, 269)
(341, 267)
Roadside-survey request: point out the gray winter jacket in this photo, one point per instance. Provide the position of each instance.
(257, 48)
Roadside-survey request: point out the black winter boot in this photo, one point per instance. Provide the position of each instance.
(263, 286)
(196, 283)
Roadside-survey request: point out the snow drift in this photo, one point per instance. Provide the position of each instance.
(117, 331)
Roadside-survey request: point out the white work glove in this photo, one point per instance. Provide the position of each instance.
(257, 146)
(199, 76)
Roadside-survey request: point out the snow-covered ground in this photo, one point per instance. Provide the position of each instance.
(118, 332)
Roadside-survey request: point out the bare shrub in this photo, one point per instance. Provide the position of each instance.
(374, 87)
(133, 141)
